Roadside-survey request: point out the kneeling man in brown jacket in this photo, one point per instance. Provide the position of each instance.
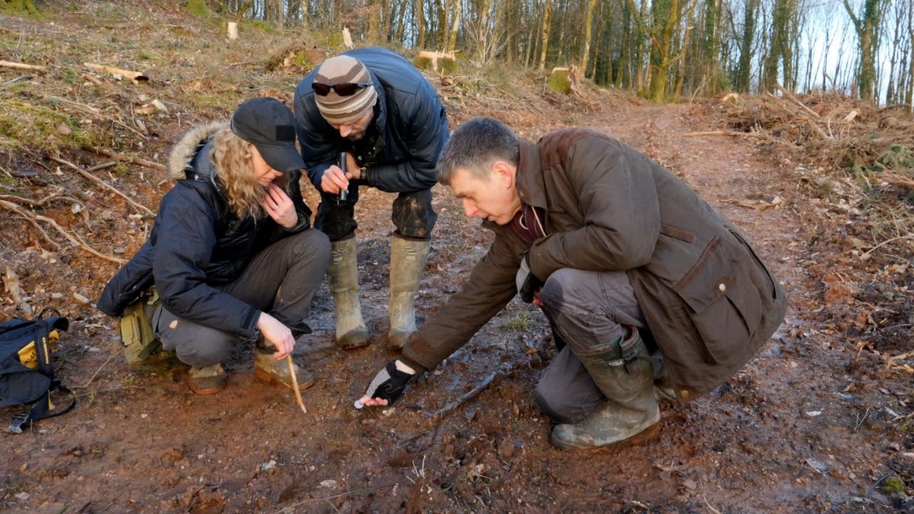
(650, 293)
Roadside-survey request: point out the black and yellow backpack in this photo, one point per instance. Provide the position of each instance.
(26, 371)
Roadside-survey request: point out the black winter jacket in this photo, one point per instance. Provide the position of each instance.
(409, 118)
(197, 242)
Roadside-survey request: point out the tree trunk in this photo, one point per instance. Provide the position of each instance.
(547, 28)
(452, 39)
(683, 56)
(588, 35)
(420, 24)
(868, 28)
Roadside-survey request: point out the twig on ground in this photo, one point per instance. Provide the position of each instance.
(126, 158)
(113, 353)
(103, 184)
(291, 508)
(444, 411)
(72, 238)
(715, 511)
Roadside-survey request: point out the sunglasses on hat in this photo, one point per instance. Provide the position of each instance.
(342, 89)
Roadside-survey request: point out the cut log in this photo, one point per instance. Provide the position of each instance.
(135, 76)
(21, 66)
(433, 57)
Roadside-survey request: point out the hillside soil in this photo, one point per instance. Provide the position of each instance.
(819, 421)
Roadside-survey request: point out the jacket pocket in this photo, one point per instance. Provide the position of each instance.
(724, 305)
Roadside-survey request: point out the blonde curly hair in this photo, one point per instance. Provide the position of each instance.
(235, 173)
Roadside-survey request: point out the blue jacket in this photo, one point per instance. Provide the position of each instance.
(409, 116)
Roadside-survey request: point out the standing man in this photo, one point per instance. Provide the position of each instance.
(374, 107)
(623, 258)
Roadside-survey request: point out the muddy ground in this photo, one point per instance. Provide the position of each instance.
(819, 421)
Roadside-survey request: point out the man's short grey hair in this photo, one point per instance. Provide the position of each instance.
(477, 145)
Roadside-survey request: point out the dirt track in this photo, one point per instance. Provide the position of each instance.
(813, 424)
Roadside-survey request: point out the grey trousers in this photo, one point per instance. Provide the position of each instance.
(585, 309)
(280, 280)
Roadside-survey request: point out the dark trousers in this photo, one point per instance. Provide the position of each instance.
(412, 214)
(281, 280)
(585, 309)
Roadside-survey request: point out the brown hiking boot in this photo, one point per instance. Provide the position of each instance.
(207, 380)
(272, 371)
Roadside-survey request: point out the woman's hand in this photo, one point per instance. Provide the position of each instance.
(280, 207)
(277, 334)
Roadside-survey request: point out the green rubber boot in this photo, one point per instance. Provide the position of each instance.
(407, 262)
(630, 406)
(344, 284)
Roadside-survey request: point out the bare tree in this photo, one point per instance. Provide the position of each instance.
(868, 25)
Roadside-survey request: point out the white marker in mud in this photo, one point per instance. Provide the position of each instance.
(358, 404)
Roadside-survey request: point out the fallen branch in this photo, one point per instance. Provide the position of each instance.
(447, 409)
(21, 66)
(867, 253)
(118, 72)
(789, 95)
(103, 184)
(73, 239)
(719, 133)
(126, 158)
(83, 107)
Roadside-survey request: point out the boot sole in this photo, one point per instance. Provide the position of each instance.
(270, 378)
(638, 439)
(353, 340)
(205, 391)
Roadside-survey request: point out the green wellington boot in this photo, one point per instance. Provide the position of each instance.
(344, 284)
(407, 262)
(630, 406)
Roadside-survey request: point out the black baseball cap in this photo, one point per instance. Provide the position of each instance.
(270, 126)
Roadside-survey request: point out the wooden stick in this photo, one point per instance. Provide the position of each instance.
(103, 184)
(19, 65)
(301, 403)
(127, 158)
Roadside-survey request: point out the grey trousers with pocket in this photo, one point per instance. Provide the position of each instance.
(280, 280)
(585, 309)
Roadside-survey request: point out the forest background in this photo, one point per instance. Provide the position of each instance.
(663, 50)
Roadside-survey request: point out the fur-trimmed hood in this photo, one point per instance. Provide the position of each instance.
(184, 154)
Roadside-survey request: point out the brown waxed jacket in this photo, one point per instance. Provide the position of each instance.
(708, 300)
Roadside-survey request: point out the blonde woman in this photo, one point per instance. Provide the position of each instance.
(231, 254)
